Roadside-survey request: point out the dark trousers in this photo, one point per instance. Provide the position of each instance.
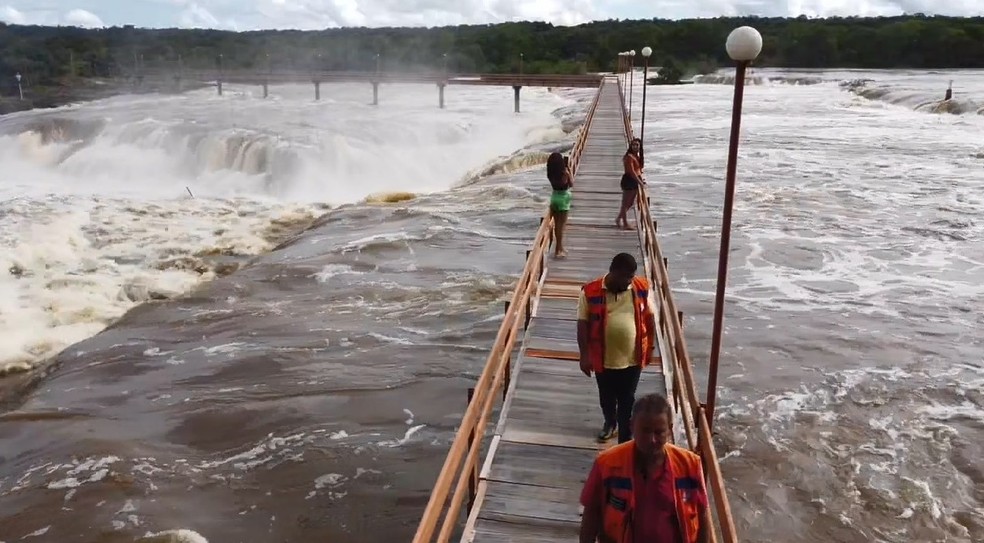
(616, 393)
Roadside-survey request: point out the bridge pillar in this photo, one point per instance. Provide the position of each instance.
(266, 89)
(375, 93)
(317, 90)
(220, 87)
(516, 97)
(440, 95)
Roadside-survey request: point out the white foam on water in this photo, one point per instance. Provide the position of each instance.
(79, 473)
(95, 220)
(181, 535)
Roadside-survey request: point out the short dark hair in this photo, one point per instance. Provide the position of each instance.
(652, 404)
(623, 262)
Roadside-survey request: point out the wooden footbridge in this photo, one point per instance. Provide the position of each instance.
(538, 455)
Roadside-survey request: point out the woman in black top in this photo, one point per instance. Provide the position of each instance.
(632, 161)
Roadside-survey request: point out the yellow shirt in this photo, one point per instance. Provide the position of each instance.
(620, 328)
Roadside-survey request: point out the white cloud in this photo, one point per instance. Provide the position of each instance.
(10, 15)
(318, 14)
(83, 18)
(195, 16)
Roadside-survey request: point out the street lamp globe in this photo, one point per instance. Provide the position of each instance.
(18, 76)
(632, 53)
(744, 44)
(646, 51)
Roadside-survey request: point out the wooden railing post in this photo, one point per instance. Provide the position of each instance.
(529, 301)
(505, 387)
(473, 475)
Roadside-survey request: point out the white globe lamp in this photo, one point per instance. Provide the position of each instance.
(744, 44)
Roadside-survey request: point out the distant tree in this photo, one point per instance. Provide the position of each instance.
(46, 55)
(669, 74)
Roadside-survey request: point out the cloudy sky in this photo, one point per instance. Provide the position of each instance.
(314, 14)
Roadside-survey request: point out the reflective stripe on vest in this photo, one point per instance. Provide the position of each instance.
(617, 470)
(594, 294)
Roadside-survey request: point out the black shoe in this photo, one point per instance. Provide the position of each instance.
(607, 432)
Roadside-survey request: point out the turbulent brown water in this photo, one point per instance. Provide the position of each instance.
(313, 393)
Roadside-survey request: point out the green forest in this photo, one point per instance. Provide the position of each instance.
(48, 55)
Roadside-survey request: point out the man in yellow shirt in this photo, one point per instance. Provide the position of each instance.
(616, 337)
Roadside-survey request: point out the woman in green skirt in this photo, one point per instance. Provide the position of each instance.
(561, 179)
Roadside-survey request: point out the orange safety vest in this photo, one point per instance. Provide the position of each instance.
(594, 293)
(617, 466)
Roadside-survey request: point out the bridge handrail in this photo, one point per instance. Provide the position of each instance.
(201, 73)
(461, 464)
(677, 358)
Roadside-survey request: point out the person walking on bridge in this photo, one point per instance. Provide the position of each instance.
(646, 490)
(561, 180)
(616, 332)
(632, 162)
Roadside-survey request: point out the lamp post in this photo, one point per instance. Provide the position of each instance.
(377, 63)
(621, 73)
(744, 44)
(20, 90)
(521, 64)
(646, 51)
(219, 61)
(631, 81)
(445, 57)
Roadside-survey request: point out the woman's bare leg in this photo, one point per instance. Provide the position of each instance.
(628, 200)
(560, 221)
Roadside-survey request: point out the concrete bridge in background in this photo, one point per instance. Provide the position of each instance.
(218, 78)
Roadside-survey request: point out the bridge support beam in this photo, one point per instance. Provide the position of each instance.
(375, 93)
(317, 90)
(440, 95)
(516, 97)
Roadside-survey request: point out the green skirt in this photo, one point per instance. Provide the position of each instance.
(560, 200)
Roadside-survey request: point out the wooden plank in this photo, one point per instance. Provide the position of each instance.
(514, 434)
(505, 530)
(585, 259)
(557, 389)
(551, 289)
(561, 504)
(578, 204)
(562, 366)
(544, 327)
(599, 236)
(557, 366)
(580, 274)
(600, 239)
(552, 353)
(540, 465)
(557, 347)
(557, 308)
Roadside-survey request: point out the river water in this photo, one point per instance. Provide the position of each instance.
(255, 320)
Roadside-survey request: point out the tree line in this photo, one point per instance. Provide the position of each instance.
(47, 55)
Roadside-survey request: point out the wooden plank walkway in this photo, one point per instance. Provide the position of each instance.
(544, 445)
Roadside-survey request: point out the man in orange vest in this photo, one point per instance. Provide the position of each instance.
(616, 335)
(646, 490)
